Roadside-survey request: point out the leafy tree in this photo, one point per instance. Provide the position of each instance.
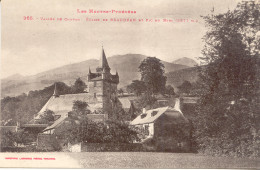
(146, 101)
(119, 132)
(152, 73)
(228, 112)
(47, 117)
(79, 86)
(7, 138)
(185, 87)
(137, 87)
(121, 91)
(169, 90)
(80, 107)
(80, 129)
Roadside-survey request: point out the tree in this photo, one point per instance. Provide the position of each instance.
(169, 90)
(79, 86)
(7, 138)
(80, 107)
(228, 112)
(152, 73)
(185, 87)
(137, 87)
(47, 117)
(121, 91)
(146, 101)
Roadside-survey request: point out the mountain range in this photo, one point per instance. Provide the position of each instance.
(125, 65)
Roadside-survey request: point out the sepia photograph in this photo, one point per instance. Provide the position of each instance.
(133, 84)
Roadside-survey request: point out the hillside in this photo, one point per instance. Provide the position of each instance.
(185, 61)
(126, 65)
(176, 78)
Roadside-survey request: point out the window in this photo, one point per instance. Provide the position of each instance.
(143, 116)
(154, 113)
(95, 84)
(146, 129)
(95, 95)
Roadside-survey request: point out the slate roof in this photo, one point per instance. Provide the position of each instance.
(103, 60)
(56, 123)
(150, 118)
(93, 117)
(63, 104)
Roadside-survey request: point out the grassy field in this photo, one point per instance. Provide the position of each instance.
(123, 160)
(159, 160)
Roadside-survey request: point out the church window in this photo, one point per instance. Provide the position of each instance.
(95, 84)
(95, 95)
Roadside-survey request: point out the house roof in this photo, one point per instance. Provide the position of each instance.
(63, 104)
(93, 117)
(150, 117)
(56, 123)
(97, 78)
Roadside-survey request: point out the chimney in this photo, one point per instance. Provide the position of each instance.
(55, 93)
(177, 105)
(144, 110)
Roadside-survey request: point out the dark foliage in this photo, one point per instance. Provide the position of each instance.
(137, 87)
(152, 73)
(78, 128)
(47, 117)
(80, 107)
(185, 87)
(79, 86)
(227, 120)
(169, 90)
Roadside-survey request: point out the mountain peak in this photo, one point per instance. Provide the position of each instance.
(185, 61)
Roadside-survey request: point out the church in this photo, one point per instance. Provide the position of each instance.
(101, 97)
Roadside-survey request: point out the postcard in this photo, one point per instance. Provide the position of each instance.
(130, 84)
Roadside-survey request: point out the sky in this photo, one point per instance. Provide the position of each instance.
(29, 47)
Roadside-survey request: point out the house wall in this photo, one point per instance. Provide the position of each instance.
(171, 136)
(145, 130)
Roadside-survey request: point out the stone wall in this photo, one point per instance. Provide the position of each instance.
(47, 142)
(111, 147)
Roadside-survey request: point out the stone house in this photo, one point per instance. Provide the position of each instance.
(166, 128)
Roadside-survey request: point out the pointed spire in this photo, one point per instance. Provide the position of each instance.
(116, 73)
(103, 61)
(89, 71)
(55, 93)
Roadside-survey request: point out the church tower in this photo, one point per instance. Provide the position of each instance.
(102, 85)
